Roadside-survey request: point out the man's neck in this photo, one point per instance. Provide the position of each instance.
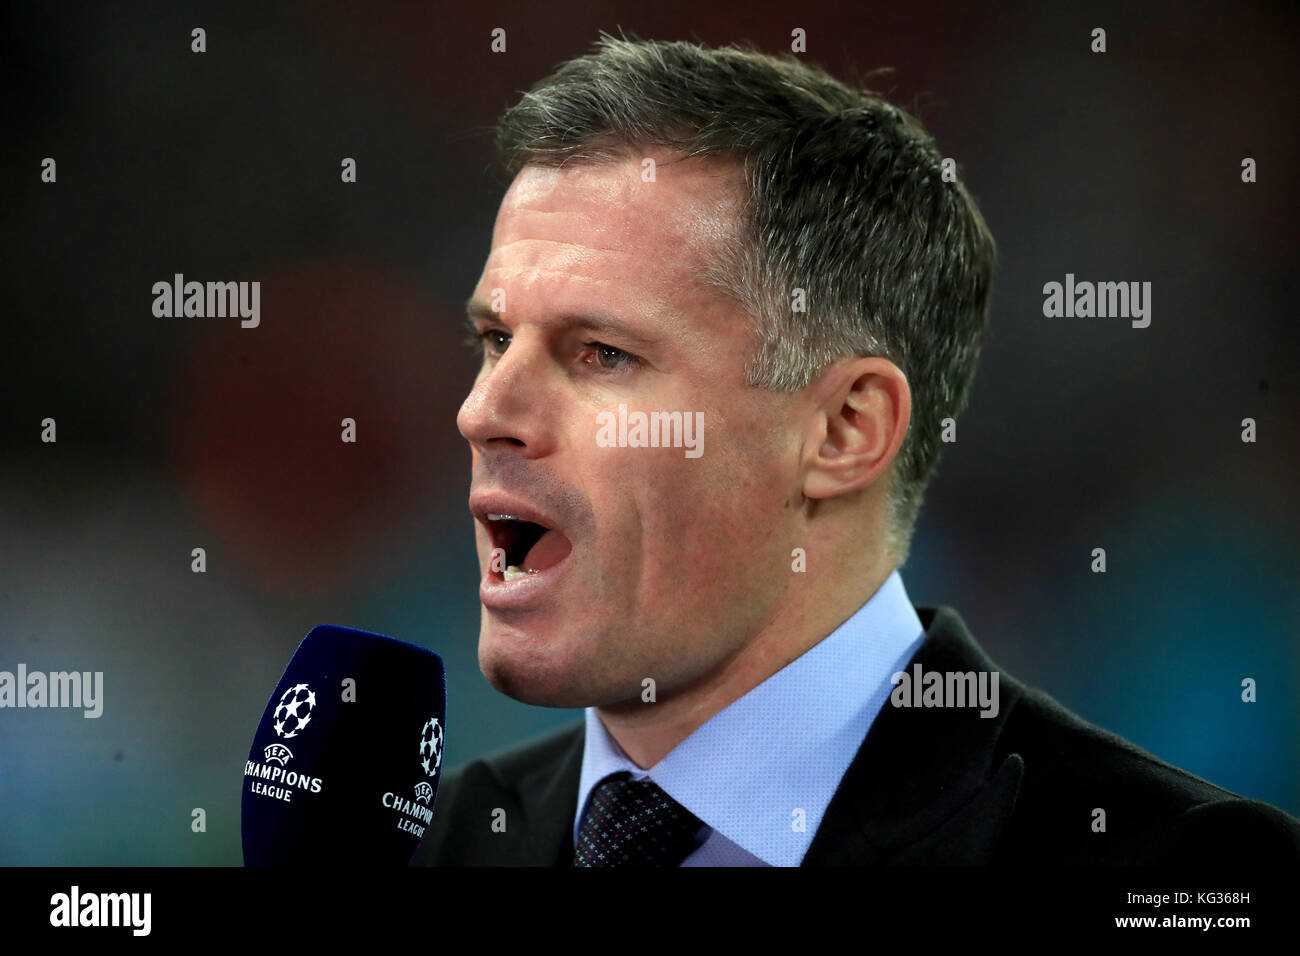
(648, 734)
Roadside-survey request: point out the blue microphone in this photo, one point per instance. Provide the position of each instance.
(345, 762)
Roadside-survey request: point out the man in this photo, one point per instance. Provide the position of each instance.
(729, 305)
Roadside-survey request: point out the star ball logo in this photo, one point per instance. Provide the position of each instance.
(291, 717)
(431, 746)
(411, 817)
(294, 712)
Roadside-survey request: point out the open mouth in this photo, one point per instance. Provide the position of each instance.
(521, 548)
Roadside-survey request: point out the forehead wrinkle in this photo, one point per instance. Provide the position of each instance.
(562, 242)
(533, 252)
(691, 204)
(696, 253)
(640, 322)
(693, 210)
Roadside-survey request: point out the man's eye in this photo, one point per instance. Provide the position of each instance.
(495, 341)
(610, 357)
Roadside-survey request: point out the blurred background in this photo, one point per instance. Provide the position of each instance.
(182, 433)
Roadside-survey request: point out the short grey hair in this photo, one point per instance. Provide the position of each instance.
(846, 200)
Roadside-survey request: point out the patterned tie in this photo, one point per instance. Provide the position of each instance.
(634, 823)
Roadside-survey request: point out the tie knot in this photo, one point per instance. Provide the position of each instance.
(634, 823)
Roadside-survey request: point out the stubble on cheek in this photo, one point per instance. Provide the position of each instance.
(671, 627)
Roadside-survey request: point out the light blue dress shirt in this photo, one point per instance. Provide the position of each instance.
(773, 759)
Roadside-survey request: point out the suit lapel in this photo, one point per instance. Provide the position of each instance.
(924, 786)
(548, 796)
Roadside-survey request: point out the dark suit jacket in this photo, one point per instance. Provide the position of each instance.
(927, 786)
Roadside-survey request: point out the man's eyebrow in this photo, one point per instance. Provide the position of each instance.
(478, 310)
(473, 312)
(599, 323)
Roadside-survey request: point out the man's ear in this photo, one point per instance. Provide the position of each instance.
(862, 407)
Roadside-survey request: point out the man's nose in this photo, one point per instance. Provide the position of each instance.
(504, 407)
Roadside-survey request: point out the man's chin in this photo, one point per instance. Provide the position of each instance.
(534, 673)
(528, 685)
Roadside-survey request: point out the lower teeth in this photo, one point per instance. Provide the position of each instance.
(513, 573)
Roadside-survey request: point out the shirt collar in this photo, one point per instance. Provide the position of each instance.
(762, 770)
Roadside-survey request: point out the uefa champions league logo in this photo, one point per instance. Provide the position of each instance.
(289, 719)
(277, 753)
(411, 817)
(431, 746)
(294, 712)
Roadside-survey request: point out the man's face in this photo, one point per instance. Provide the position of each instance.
(657, 565)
